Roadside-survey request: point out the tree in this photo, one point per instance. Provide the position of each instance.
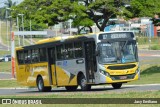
(84, 12)
(8, 4)
(98, 11)
(30, 9)
(142, 8)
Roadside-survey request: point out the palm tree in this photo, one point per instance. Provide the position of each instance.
(9, 3)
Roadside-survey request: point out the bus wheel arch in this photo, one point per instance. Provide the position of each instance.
(81, 79)
(40, 84)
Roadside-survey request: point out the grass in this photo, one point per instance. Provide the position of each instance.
(149, 75)
(6, 40)
(3, 52)
(155, 47)
(8, 83)
(5, 66)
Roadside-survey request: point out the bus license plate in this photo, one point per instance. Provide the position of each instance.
(123, 77)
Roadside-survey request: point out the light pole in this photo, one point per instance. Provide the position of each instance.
(9, 17)
(31, 30)
(12, 42)
(18, 30)
(7, 26)
(70, 27)
(22, 26)
(0, 30)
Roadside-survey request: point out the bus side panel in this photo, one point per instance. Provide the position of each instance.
(38, 69)
(67, 71)
(53, 75)
(21, 74)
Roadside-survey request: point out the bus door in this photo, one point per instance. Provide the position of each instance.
(90, 60)
(52, 66)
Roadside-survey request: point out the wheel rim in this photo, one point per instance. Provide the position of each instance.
(40, 84)
(83, 82)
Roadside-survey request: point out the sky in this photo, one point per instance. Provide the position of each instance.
(3, 1)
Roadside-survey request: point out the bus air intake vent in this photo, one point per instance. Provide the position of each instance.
(122, 67)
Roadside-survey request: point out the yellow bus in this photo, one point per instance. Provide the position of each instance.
(93, 59)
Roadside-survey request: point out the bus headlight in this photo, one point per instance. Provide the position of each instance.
(104, 72)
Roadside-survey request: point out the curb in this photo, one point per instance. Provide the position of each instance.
(100, 86)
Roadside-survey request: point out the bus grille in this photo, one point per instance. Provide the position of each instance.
(121, 67)
(122, 77)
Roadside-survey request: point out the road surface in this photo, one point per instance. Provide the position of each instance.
(3, 47)
(149, 57)
(95, 89)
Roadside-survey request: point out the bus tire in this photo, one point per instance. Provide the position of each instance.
(116, 85)
(40, 85)
(71, 88)
(48, 88)
(83, 85)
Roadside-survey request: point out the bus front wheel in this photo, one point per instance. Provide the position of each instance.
(116, 85)
(40, 85)
(83, 85)
(71, 88)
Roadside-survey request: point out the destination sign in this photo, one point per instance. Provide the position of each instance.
(116, 35)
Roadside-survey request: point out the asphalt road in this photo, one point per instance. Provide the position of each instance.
(61, 91)
(3, 47)
(151, 57)
(4, 75)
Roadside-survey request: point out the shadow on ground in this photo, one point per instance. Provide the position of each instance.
(151, 70)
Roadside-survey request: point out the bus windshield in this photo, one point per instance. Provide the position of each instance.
(117, 52)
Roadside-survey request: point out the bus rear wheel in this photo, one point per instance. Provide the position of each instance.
(116, 85)
(71, 88)
(83, 85)
(40, 85)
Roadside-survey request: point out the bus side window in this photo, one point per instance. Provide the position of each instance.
(60, 52)
(42, 54)
(26, 56)
(78, 49)
(29, 58)
(35, 55)
(69, 51)
(20, 57)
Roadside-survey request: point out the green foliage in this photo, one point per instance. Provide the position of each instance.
(84, 13)
(155, 47)
(8, 4)
(151, 70)
(142, 8)
(156, 22)
(145, 40)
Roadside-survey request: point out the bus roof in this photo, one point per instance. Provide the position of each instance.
(61, 38)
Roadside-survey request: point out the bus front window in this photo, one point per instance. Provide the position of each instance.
(107, 53)
(117, 52)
